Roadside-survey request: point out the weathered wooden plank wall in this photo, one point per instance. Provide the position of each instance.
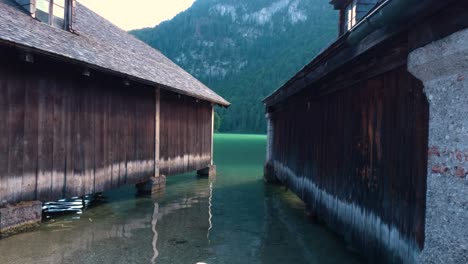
(354, 148)
(66, 135)
(185, 133)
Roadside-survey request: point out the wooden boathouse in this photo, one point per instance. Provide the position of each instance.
(85, 107)
(370, 132)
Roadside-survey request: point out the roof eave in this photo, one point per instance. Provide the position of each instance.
(352, 38)
(222, 103)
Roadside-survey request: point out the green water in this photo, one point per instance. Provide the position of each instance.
(233, 218)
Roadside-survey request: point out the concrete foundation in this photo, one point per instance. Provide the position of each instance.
(209, 171)
(152, 186)
(443, 68)
(20, 217)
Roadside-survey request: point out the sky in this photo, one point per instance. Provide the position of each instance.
(134, 14)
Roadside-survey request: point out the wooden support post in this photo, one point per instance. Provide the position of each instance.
(157, 133)
(210, 170)
(212, 131)
(157, 183)
(269, 137)
(269, 170)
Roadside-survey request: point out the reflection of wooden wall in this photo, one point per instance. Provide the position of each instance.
(185, 134)
(354, 148)
(63, 134)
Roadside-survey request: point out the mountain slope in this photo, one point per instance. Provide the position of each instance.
(245, 49)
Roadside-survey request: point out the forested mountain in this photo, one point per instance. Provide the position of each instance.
(245, 49)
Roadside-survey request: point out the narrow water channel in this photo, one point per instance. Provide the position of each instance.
(233, 218)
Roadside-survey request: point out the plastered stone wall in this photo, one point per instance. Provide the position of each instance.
(443, 68)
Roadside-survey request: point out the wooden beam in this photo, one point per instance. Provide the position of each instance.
(157, 133)
(212, 132)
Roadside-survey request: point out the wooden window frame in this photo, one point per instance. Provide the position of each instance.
(67, 14)
(350, 15)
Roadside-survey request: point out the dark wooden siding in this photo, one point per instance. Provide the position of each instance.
(186, 135)
(354, 148)
(65, 135)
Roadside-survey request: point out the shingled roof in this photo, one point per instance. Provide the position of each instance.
(102, 46)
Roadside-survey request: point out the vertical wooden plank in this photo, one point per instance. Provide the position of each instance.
(207, 129)
(142, 139)
(131, 176)
(157, 130)
(118, 175)
(151, 106)
(124, 139)
(99, 162)
(120, 150)
(107, 143)
(170, 135)
(185, 137)
(138, 138)
(150, 133)
(87, 137)
(4, 135)
(69, 108)
(191, 135)
(212, 134)
(30, 143)
(198, 146)
(16, 97)
(163, 133)
(59, 141)
(114, 102)
(147, 123)
(75, 179)
(45, 140)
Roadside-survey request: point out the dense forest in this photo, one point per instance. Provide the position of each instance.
(244, 49)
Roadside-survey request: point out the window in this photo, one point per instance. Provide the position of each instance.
(350, 15)
(58, 13)
(42, 10)
(53, 12)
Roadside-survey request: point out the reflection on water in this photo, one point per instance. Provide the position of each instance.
(75, 205)
(154, 223)
(233, 218)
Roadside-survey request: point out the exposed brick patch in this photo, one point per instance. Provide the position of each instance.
(434, 151)
(441, 169)
(460, 172)
(448, 162)
(460, 77)
(436, 169)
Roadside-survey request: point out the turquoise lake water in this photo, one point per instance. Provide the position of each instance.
(232, 218)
